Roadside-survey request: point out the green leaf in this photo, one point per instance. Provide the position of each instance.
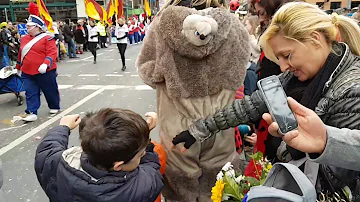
(252, 181)
(231, 188)
(257, 156)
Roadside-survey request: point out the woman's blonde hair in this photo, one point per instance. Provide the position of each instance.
(254, 22)
(298, 20)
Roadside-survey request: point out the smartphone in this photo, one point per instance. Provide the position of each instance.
(276, 102)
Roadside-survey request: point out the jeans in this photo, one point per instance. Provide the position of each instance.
(72, 48)
(137, 37)
(131, 38)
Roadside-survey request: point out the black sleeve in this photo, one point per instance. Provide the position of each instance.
(126, 35)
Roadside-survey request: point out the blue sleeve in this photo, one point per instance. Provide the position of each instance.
(150, 177)
(48, 154)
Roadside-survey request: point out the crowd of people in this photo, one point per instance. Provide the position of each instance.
(204, 64)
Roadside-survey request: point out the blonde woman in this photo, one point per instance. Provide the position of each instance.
(319, 52)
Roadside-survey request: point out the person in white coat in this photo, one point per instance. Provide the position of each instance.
(121, 34)
(93, 38)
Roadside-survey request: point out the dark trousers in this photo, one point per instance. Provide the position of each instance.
(122, 49)
(47, 84)
(131, 38)
(92, 48)
(103, 41)
(137, 37)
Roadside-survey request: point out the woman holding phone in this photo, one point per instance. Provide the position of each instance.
(316, 51)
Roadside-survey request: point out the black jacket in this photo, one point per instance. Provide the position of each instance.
(68, 34)
(67, 176)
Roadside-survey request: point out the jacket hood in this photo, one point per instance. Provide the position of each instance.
(87, 183)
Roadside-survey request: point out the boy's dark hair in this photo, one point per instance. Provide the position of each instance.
(113, 135)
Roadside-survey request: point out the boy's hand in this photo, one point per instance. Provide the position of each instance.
(71, 121)
(251, 139)
(151, 119)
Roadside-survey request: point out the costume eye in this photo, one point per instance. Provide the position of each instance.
(197, 33)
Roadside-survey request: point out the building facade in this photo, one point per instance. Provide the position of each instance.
(334, 4)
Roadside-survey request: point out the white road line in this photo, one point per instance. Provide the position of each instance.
(127, 59)
(143, 87)
(48, 122)
(134, 75)
(87, 75)
(87, 58)
(15, 127)
(73, 61)
(114, 75)
(65, 86)
(90, 87)
(64, 75)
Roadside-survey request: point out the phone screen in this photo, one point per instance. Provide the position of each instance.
(277, 104)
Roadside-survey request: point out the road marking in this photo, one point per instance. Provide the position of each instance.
(143, 87)
(127, 59)
(73, 61)
(114, 75)
(47, 123)
(15, 127)
(64, 75)
(134, 75)
(89, 87)
(91, 56)
(88, 75)
(65, 86)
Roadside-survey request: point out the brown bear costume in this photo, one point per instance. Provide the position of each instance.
(195, 60)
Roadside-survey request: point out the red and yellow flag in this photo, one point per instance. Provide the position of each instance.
(110, 10)
(95, 10)
(119, 8)
(147, 8)
(45, 15)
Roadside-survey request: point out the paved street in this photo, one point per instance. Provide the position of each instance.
(83, 87)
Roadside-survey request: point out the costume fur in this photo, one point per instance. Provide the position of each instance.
(196, 60)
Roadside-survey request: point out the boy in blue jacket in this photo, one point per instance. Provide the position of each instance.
(115, 162)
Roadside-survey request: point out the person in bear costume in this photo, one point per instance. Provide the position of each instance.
(195, 59)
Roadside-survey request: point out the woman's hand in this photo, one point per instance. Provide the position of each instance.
(251, 139)
(310, 137)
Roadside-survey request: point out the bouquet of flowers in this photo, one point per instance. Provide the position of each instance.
(233, 186)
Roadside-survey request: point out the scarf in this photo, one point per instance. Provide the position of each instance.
(313, 88)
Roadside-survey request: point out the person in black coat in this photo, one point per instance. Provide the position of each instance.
(79, 34)
(115, 162)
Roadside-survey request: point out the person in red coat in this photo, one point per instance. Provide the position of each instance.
(37, 63)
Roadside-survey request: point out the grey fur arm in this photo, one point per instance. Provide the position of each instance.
(251, 108)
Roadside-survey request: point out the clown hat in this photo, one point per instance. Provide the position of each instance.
(33, 19)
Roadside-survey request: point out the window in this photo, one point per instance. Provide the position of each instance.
(335, 5)
(355, 4)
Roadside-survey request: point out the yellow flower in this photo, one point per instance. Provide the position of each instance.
(217, 191)
(268, 167)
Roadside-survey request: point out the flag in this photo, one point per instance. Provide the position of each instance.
(110, 10)
(119, 8)
(45, 15)
(95, 10)
(147, 8)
